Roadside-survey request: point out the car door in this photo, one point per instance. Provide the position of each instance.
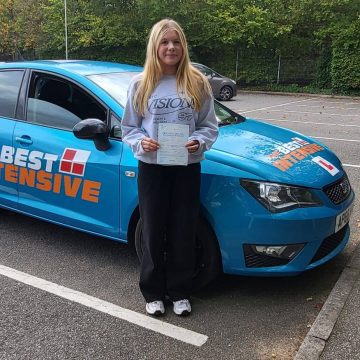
(62, 178)
(10, 83)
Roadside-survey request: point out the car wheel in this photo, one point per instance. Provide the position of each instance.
(225, 93)
(208, 260)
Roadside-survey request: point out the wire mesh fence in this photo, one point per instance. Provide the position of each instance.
(246, 70)
(260, 70)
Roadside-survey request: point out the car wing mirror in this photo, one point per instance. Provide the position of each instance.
(95, 130)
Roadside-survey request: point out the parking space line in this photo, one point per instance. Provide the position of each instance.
(315, 100)
(326, 107)
(273, 106)
(350, 165)
(337, 139)
(313, 113)
(147, 322)
(312, 122)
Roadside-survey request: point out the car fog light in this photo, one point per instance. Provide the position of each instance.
(283, 251)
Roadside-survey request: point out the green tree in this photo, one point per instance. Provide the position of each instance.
(20, 22)
(318, 32)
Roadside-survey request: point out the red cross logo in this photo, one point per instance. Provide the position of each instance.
(73, 161)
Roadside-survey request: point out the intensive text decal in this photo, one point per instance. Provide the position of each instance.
(36, 169)
(287, 154)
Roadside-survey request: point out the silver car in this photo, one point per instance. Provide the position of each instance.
(223, 87)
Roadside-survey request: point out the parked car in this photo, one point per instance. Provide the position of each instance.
(273, 202)
(223, 87)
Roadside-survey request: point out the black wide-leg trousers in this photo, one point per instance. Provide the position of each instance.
(169, 198)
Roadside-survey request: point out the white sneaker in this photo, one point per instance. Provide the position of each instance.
(155, 308)
(182, 307)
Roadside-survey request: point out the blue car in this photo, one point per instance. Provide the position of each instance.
(274, 202)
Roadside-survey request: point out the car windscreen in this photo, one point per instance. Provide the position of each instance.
(116, 84)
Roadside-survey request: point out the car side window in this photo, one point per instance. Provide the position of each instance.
(10, 82)
(115, 126)
(58, 103)
(204, 70)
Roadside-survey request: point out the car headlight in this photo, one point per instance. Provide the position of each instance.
(280, 197)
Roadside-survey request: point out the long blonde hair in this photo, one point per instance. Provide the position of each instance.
(188, 79)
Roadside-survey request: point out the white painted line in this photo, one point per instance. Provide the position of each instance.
(328, 138)
(340, 101)
(273, 106)
(327, 107)
(313, 113)
(350, 165)
(312, 122)
(133, 317)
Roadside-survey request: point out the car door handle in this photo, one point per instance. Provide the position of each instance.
(25, 139)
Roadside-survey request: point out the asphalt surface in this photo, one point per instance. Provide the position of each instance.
(344, 340)
(244, 318)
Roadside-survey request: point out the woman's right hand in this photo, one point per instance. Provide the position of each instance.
(149, 144)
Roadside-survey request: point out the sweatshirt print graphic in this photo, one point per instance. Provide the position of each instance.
(167, 105)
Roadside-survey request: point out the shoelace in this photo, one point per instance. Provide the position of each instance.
(182, 302)
(157, 303)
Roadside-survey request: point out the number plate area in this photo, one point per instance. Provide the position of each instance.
(343, 218)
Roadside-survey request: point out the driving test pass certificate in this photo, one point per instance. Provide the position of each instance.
(172, 139)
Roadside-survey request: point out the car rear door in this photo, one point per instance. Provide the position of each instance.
(62, 178)
(10, 83)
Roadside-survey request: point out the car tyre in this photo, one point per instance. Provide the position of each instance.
(226, 93)
(208, 259)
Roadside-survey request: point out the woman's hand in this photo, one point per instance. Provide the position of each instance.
(192, 146)
(149, 144)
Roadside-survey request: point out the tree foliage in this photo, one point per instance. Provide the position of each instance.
(253, 34)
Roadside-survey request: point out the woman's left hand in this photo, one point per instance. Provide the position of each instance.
(192, 146)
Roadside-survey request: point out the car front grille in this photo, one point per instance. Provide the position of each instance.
(329, 244)
(339, 191)
(255, 260)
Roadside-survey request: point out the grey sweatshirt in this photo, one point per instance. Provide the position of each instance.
(165, 105)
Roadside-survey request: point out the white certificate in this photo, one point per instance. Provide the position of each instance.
(172, 139)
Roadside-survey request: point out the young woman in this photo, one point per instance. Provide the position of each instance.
(169, 91)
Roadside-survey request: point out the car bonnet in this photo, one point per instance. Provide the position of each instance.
(276, 154)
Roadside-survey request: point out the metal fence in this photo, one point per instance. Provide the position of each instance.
(247, 70)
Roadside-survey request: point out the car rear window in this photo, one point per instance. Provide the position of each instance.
(10, 82)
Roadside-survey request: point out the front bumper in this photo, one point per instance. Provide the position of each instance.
(329, 247)
(242, 222)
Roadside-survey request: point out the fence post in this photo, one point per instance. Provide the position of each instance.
(236, 67)
(278, 72)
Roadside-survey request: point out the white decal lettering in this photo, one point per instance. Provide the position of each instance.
(35, 160)
(7, 154)
(21, 157)
(50, 158)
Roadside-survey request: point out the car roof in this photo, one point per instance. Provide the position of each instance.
(80, 67)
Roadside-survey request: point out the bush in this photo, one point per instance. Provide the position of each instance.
(345, 66)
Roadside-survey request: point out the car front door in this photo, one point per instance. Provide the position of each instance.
(10, 83)
(62, 178)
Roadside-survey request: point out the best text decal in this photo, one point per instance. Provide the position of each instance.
(288, 154)
(37, 169)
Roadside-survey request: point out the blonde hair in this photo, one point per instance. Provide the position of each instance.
(188, 79)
